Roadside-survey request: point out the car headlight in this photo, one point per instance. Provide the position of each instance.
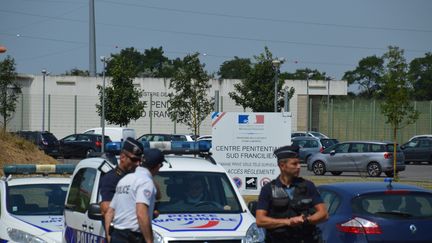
(21, 236)
(255, 234)
(157, 238)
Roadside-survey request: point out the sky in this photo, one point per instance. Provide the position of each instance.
(328, 35)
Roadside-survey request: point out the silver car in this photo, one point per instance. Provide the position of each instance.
(357, 156)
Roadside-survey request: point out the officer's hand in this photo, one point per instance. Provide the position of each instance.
(295, 221)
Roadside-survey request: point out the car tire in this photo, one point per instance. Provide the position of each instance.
(318, 168)
(89, 151)
(374, 169)
(336, 173)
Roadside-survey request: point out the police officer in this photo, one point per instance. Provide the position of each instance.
(289, 207)
(131, 209)
(130, 157)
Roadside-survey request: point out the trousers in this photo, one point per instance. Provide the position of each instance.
(126, 236)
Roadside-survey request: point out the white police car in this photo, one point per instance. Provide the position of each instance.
(31, 208)
(199, 203)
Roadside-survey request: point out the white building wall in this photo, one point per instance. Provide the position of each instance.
(60, 111)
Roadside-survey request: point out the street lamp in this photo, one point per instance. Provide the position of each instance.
(328, 104)
(44, 74)
(104, 61)
(276, 65)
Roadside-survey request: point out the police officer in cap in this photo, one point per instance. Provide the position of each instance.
(130, 158)
(289, 207)
(131, 209)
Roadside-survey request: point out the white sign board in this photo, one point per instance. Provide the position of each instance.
(243, 143)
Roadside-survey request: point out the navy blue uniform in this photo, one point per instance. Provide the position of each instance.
(108, 183)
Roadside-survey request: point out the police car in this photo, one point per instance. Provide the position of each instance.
(199, 202)
(31, 207)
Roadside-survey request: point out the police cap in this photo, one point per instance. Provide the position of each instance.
(153, 157)
(133, 147)
(285, 152)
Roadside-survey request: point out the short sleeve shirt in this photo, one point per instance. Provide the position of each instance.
(137, 187)
(108, 183)
(265, 197)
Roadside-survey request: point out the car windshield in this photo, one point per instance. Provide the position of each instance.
(397, 204)
(196, 192)
(389, 148)
(49, 137)
(328, 142)
(36, 199)
(317, 134)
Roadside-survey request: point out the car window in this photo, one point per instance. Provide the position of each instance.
(69, 138)
(84, 138)
(424, 143)
(49, 137)
(81, 189)
(342, 148)
(328, 142)
(316, 134)
(331, 200)
(376, 148)
(359, 148)
(412, 144)
(196, 192)
(36, 199)
(300, 143)
(178, 138)
(394, 205)
(311, 144)
(389, 148)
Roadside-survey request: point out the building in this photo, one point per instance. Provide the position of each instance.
(70, 104)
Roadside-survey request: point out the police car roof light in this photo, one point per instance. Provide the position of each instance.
(26, 169)
(389, 180)
(180, 147)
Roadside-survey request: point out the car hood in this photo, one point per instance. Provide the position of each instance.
(200, 222)
(43, 222)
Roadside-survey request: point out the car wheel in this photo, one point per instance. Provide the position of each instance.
(89, 151)
(374, 169)
(336, 173)
(389, 173)
(318, 168)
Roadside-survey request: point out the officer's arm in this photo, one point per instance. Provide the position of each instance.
(144, 221)
(104, 206)
(267, 222)
(320, 215)
(109, 215)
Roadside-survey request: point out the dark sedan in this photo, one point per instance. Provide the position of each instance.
(376, 212)
(81, 145)
(418, 150)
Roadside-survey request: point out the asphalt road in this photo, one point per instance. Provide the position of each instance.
(413, 172)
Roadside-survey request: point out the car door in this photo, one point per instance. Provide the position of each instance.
(339, 161)
(84, 143)
(357, 157)
(423, 150)
(82, 192)
(67, 144)
(409, 150)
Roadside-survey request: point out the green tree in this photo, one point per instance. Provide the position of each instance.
(9, 89)
(395, 93)
(189, 103)
(420, 74)
(238, 68)
(122, 99)
(302, 74)
(77, 72)
(132, 56)
(368, 75)
(256, 91)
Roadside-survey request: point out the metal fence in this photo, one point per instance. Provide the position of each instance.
(361, 119)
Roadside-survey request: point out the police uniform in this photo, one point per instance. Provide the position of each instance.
(137, 187)
(281, 201)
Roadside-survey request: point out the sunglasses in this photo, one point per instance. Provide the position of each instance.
(133, 159)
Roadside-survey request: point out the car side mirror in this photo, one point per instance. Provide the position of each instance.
(333, 152)
(94, 212)
(252, 206)
(402, 146)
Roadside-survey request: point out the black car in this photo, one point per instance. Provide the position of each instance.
(418, 150)
(81, 145)
(46, 141)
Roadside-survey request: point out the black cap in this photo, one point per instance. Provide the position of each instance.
(134, 147)
(285, 152)
(153, 157)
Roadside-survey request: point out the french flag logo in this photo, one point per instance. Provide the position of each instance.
(250, 119)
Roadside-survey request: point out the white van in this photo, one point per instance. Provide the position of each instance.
(117, 134)
(222, 216)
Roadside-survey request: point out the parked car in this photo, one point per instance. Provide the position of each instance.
(376, 212)
(159, 137)
(31, 206)
(117, 134)
(46, 141)
(81, 145)
(311, 145)
(308, 134)
(222, 217)
(420, 137)
(418, 150)
(357, 156)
